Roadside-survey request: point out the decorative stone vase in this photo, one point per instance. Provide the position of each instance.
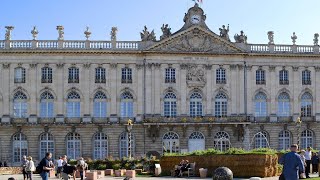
(203, 172)
(222, 173)
(118, 173)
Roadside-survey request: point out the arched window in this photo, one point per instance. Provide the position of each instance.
(126, 104)
(124, 144)
(46, 105)
(170, 142)
(284, 140)
(170, 105)
(221, 105)
(73, 145)
(100, 148)
(283, 105)
(306, 139)
(46, 144)
(306, 105)
(195, 105)
(260, 105)
(221, 141)
(261, 140)
(100, 105)
(73, 105)
(221, 76)
(20, 105)
(20, 147)
(196, 141)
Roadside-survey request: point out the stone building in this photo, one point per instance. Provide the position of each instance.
(193, 89)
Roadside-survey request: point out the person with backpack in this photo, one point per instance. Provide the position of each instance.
(82, 166)
(45, 166)
(67, 170)
(24, 163)
(30, 168)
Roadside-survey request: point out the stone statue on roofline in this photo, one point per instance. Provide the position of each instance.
(113, 33)
(166, 31)
(224, 32)
(270, 37)
(316, 40)
(60, 32)
(242, 38)
(8, 32)
(147, 36)
(34, 33)
(294, 38)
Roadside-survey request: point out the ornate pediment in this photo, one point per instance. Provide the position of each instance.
(196, 39)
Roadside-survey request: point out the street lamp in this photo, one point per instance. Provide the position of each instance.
(129, 128)
(298, 126)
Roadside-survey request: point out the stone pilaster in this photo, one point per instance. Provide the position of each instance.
(183, 89)
(296, 90)
(158, 75)
(209, 94)
(114, 78)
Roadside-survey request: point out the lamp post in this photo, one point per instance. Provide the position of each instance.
(129, 128)
(298, 126)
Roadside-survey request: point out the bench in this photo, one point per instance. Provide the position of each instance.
(191, 170)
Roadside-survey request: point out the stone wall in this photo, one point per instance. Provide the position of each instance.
(10, 170)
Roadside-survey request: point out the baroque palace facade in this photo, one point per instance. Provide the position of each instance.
(192, 89)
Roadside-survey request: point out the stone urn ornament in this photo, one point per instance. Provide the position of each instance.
(222, 173)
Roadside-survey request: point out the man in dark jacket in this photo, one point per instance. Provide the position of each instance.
(292, 164)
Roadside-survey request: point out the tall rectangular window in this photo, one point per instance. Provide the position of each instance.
(306, 77)
(19, 75)
(170, 75)
(73, 75)
(283, 77)
(221, 76)
(126, 76)
(100, 75)
(46, 75)
(260, 77)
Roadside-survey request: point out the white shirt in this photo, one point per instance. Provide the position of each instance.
(59, 162)
(307, 155)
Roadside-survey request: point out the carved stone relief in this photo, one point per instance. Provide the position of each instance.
(196, 76)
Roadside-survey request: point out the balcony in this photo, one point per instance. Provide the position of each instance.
(221, 81)
(260, 82)
(73, 80)
(100, 80)
(284, 119)
(308, 119)
(306, 82)
(19, 120)
(284, 82)
(261, 119)
(100, 120)
(126, 81)
(170, 81)
(45, 120)
(73, 120)
(46, 80)
(19, 80)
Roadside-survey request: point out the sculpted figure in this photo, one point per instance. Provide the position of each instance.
(224, 32)
(315, 40)
(294, 38)
(114, 33)
(242, 38)
(60, 32)
(166, 31)
(8, 32)
(147, 36)
(270, 37)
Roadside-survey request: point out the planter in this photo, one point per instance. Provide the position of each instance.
(118, 173)
(131, 173)
(138, 171)
(109, 172)
(100, 174)
(203, 172)
(91, 175)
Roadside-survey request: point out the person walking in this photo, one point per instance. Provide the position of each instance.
(46, 166)
(308, 155)
(82, 166)
(68, 170)
(292, 164)
(315, 162)
(24, 163)
(30, 168)
(59, 167)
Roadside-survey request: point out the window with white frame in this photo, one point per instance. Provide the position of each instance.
(170, 142)
(126, 76)
(221, 76)
(20, 105)
(20, 147)
(261, 140)
(46, 144)
(283, 105)
(73, 75)
(170, 105)
(100, 105)
(306, 77)
(196, 141)
(260, 76)
(100, 147)
(73, 145)
(46, 105)
(170, 75)
(306, 105)
(260, 105)
(124, 145)
(46, 75)
(126, 105)
(306, 139)
(100, 75)
(221, 105)
(73, 105)
(283, 77)
(196, 105)
(221, 141)
(284, 140)
(19, 75)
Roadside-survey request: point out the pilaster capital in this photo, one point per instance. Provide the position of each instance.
(34, 65)
(6, 65)
(139, 66)
(240, 67)
(317, 68)
(233, 67)
(86, 65)
(60, 65)
(157, 65)
(295, 68)
(113, 65)
(207, 66)
(183, 66)
(272, 68)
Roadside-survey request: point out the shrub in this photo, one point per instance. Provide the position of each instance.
(116, 166)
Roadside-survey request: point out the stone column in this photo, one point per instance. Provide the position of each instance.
(157, 91)
(139, 82)
(60, 81)
(236, 79)
(31, 80)
(6, 91)
(113, 83)
(251, 81)
(317, 92)
(296, 91)
(271, 81)
(149, 88)
(183, 90)
(209, 92)
(85, 84)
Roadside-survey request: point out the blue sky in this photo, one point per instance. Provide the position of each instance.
(255, 17)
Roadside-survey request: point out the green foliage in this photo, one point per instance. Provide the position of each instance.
(231, 151)
(116, 166)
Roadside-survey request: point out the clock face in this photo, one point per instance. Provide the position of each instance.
(195, 19)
